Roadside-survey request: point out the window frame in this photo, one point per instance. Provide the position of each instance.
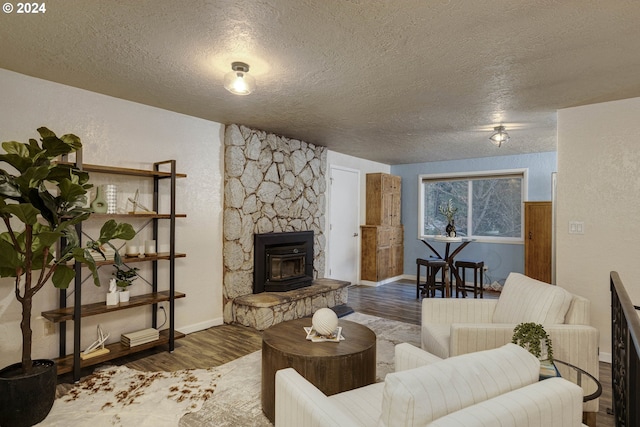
(462, 176)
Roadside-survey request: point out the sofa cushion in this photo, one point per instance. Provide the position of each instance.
(550, 403)
(418, 396)
(524, 299)
(363, 404)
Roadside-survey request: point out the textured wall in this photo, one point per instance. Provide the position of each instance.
(122, 133)
(598, 170)
(272, 184)
(501, 258)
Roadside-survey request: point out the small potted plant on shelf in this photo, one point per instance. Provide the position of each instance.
(41, 202)
(449, 211)
(125, 276)
(535, 339)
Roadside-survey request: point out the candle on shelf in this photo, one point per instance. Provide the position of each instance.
(150, 247)
(132, 250)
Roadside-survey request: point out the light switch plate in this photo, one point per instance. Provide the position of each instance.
(576, 227)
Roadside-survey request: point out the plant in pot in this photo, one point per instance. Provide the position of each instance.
(125, 276)
(449, 211)
(535, 339)
(41, 202)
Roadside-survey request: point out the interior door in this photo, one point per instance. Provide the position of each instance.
(537, 247)
(344, 223)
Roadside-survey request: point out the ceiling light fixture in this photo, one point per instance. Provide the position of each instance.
(238, 81)
(500, 136)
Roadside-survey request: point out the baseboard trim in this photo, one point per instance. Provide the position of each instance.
(189, 329)
(605, 357)
(382, 282)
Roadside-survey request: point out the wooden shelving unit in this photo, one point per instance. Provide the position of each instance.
(146, 258)
(72, 362)
(65, 364)
(67, 313)
(137, 215)
(111, 170)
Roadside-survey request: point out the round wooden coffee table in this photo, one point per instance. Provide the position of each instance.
(332, 367)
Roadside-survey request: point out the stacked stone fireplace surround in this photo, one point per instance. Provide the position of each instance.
(272, 184)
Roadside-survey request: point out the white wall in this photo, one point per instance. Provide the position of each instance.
(121, 133)
(598, 170)
(364, 166)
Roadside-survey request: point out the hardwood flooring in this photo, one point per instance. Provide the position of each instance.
(221, 344)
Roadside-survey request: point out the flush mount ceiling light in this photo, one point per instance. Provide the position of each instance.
(499, 136)
(239, 81)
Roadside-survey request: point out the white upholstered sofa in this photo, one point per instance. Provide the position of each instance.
(455, 326)
(488, 388)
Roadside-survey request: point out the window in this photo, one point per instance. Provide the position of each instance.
(489, 204)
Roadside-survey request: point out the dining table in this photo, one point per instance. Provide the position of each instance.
(449, 256)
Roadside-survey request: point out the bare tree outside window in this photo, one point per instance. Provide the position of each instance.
(438, 193)
(487, 206)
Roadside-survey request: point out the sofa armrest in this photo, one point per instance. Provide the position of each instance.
(579, 312)
(408, 356)
(454, 310)
(300, 403)
(550, 403)
(574, 344)
(579, 346)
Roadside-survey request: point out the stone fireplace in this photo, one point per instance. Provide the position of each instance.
(273, 185)
(282, 261)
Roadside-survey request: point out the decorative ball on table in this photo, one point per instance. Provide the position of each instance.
(325, 321)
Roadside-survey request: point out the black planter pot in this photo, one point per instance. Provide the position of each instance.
(26, 400)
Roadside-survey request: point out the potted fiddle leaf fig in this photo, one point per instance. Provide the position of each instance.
(41, 202)
(535, 339)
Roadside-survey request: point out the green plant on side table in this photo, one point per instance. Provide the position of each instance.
(531, 336)
(41, 202)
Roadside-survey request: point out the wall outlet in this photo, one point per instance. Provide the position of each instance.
(49, 328)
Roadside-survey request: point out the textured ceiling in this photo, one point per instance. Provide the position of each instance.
(394, 81)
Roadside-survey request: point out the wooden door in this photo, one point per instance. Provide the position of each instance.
(375, 206)
(383, 199)
(383, 260)
(395, 202)
(397, 251)
(369, 248)
(537, 238)
(387, 209)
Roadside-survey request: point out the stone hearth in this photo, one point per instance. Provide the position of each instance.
(273, 184)
(266, 309)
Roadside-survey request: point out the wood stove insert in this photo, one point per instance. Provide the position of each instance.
(282, 261)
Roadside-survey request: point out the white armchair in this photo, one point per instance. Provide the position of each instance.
(493, 387)
(454, 326)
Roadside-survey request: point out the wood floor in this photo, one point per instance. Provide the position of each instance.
(221, 344)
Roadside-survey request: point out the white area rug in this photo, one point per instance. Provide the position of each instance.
(228, 395)
(119, 396)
